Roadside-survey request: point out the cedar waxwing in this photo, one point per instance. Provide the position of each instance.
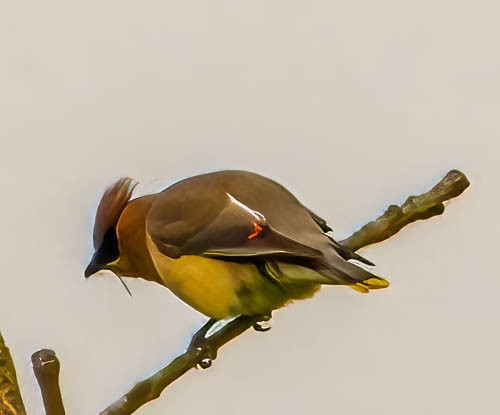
(227, 243)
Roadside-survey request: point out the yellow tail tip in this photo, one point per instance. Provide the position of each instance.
(360, 288)
(374, 283)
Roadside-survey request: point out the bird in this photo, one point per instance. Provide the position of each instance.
(227, 243)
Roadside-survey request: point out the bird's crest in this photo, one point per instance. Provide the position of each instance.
(111, 206)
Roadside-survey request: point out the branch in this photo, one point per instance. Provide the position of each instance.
(11, 402)
(202, 351)
(46, 367)
(414, 208)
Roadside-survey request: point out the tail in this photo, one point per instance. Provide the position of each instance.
(374, 283)
(359, 279)
(336, 272)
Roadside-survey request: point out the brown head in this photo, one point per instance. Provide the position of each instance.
(110, 208)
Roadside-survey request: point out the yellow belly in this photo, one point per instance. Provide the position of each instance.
(217, 288)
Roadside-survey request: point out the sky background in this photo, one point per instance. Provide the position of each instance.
(351, 105)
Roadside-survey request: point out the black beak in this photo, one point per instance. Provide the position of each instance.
(106, 253)
(95, 265)
(91, 269)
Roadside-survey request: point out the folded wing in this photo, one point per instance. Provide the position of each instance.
(242, 216)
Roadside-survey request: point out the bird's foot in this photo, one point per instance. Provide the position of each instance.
(206, 356)
(205, 353)
(262, 323)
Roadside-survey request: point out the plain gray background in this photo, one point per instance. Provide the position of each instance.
(352, 105)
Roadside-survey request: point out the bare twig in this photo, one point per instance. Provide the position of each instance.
(414, 208)
(202, 350)
(11, 402)
(46, 367)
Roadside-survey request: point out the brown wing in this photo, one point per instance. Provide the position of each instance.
(206, 215)
(243, 216)
(233, 232)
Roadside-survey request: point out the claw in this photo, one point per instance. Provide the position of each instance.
(206, 356)
(262, 324)
(205, 363)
